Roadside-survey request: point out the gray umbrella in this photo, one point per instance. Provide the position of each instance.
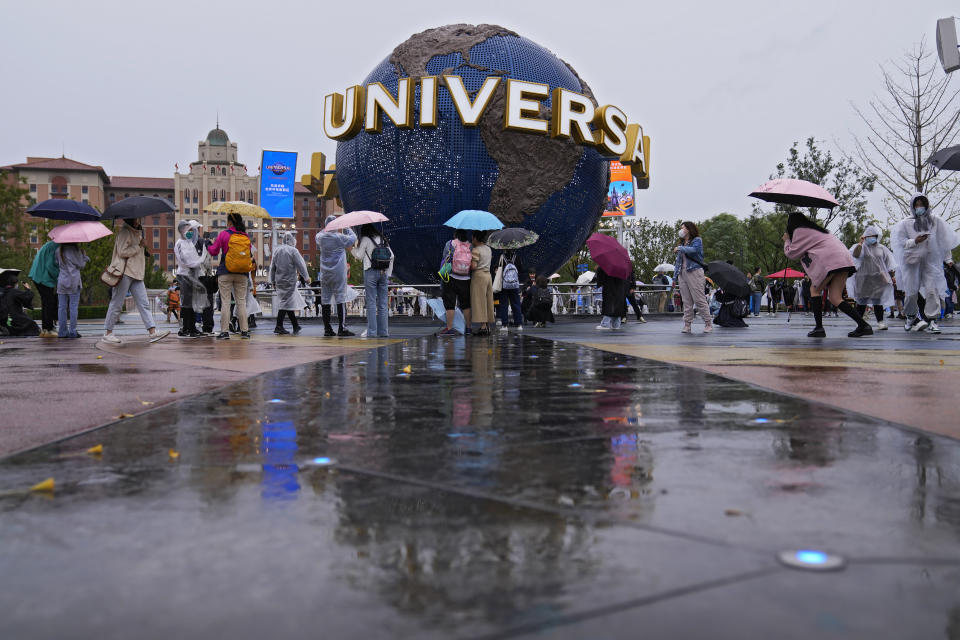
(948, 159)
(138, 207)
(512, 238)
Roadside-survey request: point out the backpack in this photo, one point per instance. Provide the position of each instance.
(511, 277)
(239, 258)
(380, 256)
(461, 258)
(544, 297)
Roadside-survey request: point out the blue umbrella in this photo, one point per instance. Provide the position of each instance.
(70, 210)
(138, 207)
(474, 220)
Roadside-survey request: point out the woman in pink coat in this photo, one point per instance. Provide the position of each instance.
(828, 263)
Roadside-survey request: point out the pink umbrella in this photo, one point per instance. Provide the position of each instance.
(86, 231)
(609, 255)
(799, 193)
(355, 219)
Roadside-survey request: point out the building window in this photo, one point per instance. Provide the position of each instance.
(169, 234)
(156, 259)
(84, 189)
(126, 195)
(194, 211)
(223, 194)
(156, 245)
(213, 171)
(33, 240)
(33, 188)
(169, 258)
(242, 195)
(85, 201)
(195, 197)
(112, 197)
(156, 220)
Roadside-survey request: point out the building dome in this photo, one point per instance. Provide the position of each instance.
(218, 137)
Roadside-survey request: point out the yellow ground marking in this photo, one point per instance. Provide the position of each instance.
(891, 360)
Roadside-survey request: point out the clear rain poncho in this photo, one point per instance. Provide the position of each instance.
(189, 266)
(286, 264)
(872, 284)
(333, 247)
(920, 264)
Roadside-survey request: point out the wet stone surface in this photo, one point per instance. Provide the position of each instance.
(500, 487)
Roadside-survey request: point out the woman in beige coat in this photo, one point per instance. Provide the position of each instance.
(481, 284)
(129, 259)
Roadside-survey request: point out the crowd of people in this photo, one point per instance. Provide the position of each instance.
(912, 279)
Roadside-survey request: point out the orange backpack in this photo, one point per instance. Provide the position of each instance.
(239, 258)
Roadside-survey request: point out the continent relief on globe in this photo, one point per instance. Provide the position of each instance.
(532, 168)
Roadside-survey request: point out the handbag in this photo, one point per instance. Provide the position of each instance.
(112, 276)
(498, 278)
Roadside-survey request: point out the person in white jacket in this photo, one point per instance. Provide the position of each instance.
(193, 295)
(286, 265)
(922, 244)
(872, 284)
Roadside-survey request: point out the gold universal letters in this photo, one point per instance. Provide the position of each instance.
(573, 116)
(400, 111)
(343, 115)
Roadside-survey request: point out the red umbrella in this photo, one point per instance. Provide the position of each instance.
(609, 255)
(799, 193)
(787, 273)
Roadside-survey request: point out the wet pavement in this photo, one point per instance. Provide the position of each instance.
(496, 487)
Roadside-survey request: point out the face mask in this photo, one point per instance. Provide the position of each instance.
(683, 233)
(920, 211)
(871, 241)
(189, 235)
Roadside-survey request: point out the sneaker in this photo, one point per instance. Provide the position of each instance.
(919, 325)
(223, 335)
(881, 327)
(329, 333)
(280, 331)
(345, 333)
(708, 328)
(642, 320)
(468, 332)
(244, 335)
(818, 332)
(112, 339)
(859, 332)
(933, 328)
(504, 328)
(519, 327)
(601, 327)
(157, 336)
(296, 330)
(686, 329)
(187, 336)
(541, 325)
(448, 332)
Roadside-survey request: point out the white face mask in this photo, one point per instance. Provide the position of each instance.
(683, 232)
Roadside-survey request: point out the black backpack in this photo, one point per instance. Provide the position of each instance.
(381, 255)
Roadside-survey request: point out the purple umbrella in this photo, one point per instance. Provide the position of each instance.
(799, 193)
(609, 255)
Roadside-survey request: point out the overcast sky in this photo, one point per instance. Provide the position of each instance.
(722, 88)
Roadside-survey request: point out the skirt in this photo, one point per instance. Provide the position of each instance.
(481, 297)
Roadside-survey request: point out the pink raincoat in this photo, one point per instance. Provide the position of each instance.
(818, 253)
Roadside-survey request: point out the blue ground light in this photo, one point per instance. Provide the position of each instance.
(811, 560)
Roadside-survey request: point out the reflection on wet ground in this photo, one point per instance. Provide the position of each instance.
(455, 488)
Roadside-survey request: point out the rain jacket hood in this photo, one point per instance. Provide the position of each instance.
(286, 265)
(921, 263)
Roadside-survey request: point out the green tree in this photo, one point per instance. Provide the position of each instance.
(842, 178)
(763, 237)
(94, 290)
(651, 242)
(153, 276)
(15, 228)
(724, 239)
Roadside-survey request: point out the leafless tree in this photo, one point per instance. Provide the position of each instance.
(916, 114)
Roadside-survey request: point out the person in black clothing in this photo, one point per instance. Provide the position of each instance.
(540, 309)
(13, 320)
(614, 299)
(632, 298)
(525, 289)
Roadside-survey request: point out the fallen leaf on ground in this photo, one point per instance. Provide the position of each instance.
(99, 357)
(124, 415)
(173, 389)
(407, 369)
(145, 403)
(174, 454)
(97, 450)
(46, 485)
(732, 512)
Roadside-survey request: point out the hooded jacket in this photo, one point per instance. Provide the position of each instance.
(920, 264)
(333, 247)
(44, 269)
(127, 253)
(286, 265)
(819, 253)
(872, 283)
(189, 262)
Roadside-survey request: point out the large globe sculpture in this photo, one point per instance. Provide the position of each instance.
(420, 177)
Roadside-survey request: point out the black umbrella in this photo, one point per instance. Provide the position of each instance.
(512, 238)
(138, 207)
(68, 210)
(728, 277)
(948, 159)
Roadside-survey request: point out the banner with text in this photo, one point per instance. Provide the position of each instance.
(277, 182)
(620, 192)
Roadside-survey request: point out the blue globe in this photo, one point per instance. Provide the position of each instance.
(420, 177)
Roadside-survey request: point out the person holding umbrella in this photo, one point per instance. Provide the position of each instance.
(613, 295)
(377, 258)
(333, 247)
(129, 262)
(70, 260)
(690, 277)
(44, 272)
(828, 263)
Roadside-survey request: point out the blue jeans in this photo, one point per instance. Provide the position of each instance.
(610, 322)
(67, 312)
(510, 299)
(375, 290)
(755, 297)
